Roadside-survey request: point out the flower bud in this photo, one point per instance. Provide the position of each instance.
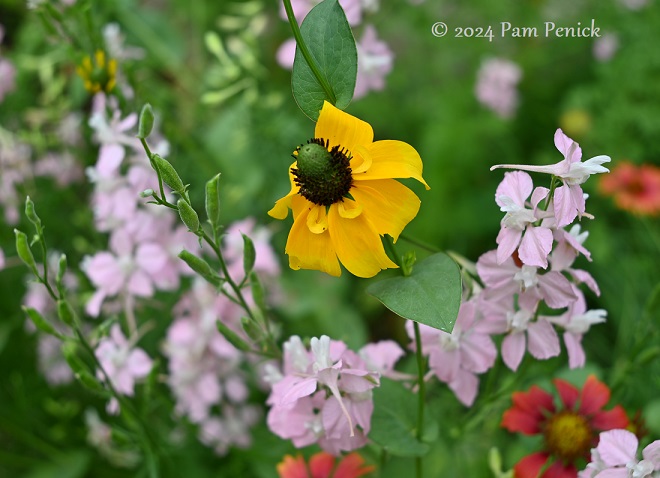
(251, 329)
(146, 121)
(147, 193)
(168, 174)
(65, 312)
(249, 254)
(232, 337)
(213, 200)
(188, 215)
(200, 266)
(31, 213)
(24, 251)
(40, 323)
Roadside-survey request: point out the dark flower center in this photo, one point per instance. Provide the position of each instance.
(324, 175)
(568, 436)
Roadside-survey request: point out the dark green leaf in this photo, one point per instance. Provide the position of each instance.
(431, 295)
(394, 421)
(332, 46)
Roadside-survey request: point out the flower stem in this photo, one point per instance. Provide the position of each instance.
(421, 395)
(307, 54)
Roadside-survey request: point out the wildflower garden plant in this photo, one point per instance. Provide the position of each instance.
(344, 244)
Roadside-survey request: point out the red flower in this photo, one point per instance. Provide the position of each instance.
(569, 431)
(635, 188)
(322, 465)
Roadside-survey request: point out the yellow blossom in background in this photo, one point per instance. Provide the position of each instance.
(98, 75)
(344, 198)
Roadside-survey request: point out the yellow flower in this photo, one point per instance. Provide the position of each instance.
(343, 196)
(98, 75)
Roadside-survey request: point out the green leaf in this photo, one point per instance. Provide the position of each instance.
(394, 420)
(431, 295)
(249, 254)
(331, 45)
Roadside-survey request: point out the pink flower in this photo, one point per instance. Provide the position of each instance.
(374, 63)
(301, 8)
(616, 457)
(496, 86)
(123, 363)
(605, 46)
(568, 200)
(7, 78)
(536, 243)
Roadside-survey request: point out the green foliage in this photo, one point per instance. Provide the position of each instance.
(430, 295)
(326, 32)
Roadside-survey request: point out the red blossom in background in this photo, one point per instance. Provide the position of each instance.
(322, 465)
(635, 189)
(569, 431)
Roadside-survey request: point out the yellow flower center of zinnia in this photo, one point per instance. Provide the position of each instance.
(568, 436)
(323, 175)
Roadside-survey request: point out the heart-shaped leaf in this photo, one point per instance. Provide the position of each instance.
(431, 295)
(330, 41)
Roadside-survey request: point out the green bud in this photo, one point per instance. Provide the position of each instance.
(258, 293)
(66, 313)
(89, 381)
(41, 323)
(70, 352)
(213, 200)
(31, 213)
(146, 121)
(147, 193)
(24, 251)
(200, 266)
(252, 329)
(188, 215)
(168, 173)
(407, 262)
(249, 254)
(232, 337)
(61, 270)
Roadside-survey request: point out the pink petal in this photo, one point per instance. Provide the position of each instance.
(139, 364)
(517, 185)
(652, 454)
(564, 207)
(513, 349)
(613, 473)
(507, 242)
(556, 290)
(303, 388)
(465, 387)
(543, 340)
(584, 277)
(535, 246)
(110, 157)
(478, 353)
(444, 363)
(576, 356)
(139, 284)
(617, 447)
(151, 257)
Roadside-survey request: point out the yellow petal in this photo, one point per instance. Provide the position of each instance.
(317, 220)
(393, 159)
(361, 160)
(282, 206)
(358, 245)
(307, 250)
(388, 205)
(349, 209)
(100, 58)
(342, 129)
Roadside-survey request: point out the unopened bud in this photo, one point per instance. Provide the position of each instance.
(169, 174)
(147, 193)
(146, 121)
(188, 215)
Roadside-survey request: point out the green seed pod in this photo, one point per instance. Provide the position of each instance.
(65, 313)
(41, 323)
(232, 337)
(168, 173)
(249, 254)
(251, 329)
(146, 121)
(200, 266)
(213, 200)
(31, 213)
(61, 270)
(188, 215)
(24, 251)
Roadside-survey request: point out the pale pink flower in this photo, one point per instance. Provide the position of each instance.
(63, 167)
(122, 361)
(230, 429)
(286, 53)
(375, 60)
(568, 200)
(7, 78)
(616, 457)
(605, 46)
(518, 231)
(51, 362)
(497, 81)
(265, 259)
(15, 168)
(352, 9)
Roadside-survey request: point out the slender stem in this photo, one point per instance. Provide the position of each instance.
(307, 54)
(421, 244)
(420, 394)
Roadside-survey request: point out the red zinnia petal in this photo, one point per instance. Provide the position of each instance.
(530, 466)
(610, 419)
(567, 392)
(594, 396)
(292, 467)
(559, 470)
(321, 465)
(352, 467)
(526, 414)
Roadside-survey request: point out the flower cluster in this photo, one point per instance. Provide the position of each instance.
(205, 373)
(324, 395)
(616, 457)
(531, 267)
(375, 59)
(144, 241)
(569, 431)
(497, 80)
